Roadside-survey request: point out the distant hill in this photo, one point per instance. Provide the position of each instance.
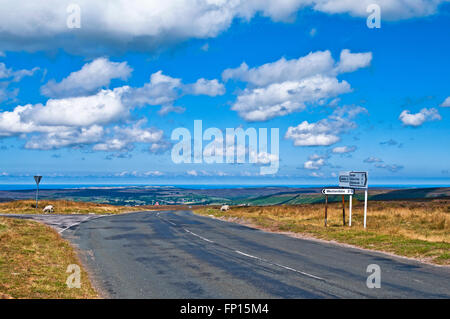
(134, 196)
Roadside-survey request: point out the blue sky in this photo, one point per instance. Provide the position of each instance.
(98, 104)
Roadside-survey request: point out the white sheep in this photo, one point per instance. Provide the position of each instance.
(224, 208)
(48, 209)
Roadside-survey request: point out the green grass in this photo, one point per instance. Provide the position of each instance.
(62, 207)
(419, 229)
(33, 262)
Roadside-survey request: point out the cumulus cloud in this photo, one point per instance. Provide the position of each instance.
(285, 86)
(373, 159)
(166, 109)
(125, 137)
(315, 162)
(160, 90)
(74, 119)
(149, 25)
(102, 108)
(92, 76)
(65, 138)
(280, 99)
(324, 132)
(263, 157)
(417, 119)
(446, 102)
(164, 90)
(350, 62)
(391, 9)
(316, 174)
(320, 62)
(344, 149)
(206, 87)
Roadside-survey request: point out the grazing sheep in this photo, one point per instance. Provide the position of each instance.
(224, 208)
(48, 209)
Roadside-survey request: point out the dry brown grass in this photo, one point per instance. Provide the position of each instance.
(419, 229)
(34, 260)
(62, 207)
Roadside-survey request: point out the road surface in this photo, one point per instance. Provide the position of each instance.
(182, 255)
(59, 222)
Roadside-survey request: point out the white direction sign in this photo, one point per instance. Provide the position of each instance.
(338, 191)
(358, 179)
(344, 179)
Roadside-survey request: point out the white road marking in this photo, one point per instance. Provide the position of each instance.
(78, 223)
(251, 256)
(279, 265)
(205, 239)
(255, 257)
(300, 272)
(166, 220)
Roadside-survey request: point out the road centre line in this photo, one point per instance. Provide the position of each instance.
(205, 239)
(254, 257)
(279, 265)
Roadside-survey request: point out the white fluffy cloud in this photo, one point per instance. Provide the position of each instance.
(161, 90)
(206, 87)
(344, 149)
(125, 137)
(320, 62)
(312, 134)
(164, 90)
(285, 86)
(92, 76)
(315, 162)
(446, 102)
(74, 120)
(104, 107)
(150, 24)
(350, 62)
(417, 119)
(324, 132)
(373, 159)
(65, 138)
(390, 9)
(280, 99)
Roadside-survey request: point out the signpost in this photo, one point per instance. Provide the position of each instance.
(360, 180)
(37, 180)
(348, 181)
(337, 191)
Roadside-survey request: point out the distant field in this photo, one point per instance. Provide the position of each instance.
(166, 195)
(34, 260)
(418, 228)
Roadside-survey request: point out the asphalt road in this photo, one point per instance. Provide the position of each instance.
(58, 222)
(182, 255)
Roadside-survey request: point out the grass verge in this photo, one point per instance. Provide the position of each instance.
(62, 207)
(34, 260)
(417, 229)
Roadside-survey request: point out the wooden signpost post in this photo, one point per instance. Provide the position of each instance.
(348, 181)
(336, 191)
